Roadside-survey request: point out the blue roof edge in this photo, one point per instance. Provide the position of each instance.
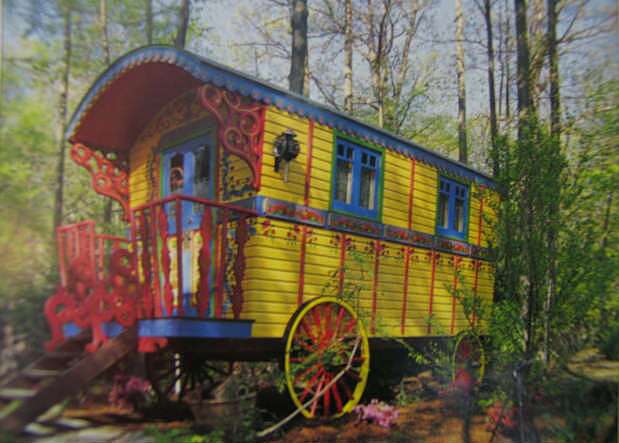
(209, 71)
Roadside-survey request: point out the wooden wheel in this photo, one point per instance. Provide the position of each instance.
(323, 338)
(468, 362)
(174, 377)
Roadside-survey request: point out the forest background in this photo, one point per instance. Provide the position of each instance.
(526, 91)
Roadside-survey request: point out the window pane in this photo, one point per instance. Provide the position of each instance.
(459, 224)
(368, 188)
(202, 174)
(343, 182)
(443, 204)
(177, 174)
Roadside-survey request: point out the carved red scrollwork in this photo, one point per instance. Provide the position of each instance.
(204, 262)
(89, 297)
(242, 235)
(240, 125)
(109, 177)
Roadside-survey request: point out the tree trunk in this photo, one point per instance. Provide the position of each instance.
(462, 146)
(105, 43)
(149, 21)
(491, 86)
(555, 134)
(298, 22)
(1, 59)
(183, 24)
(553, 67)
(62, 120)
(348, 97)
(523, 76)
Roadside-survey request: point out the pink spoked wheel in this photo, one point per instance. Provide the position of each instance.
(468, 362)
(327, 358)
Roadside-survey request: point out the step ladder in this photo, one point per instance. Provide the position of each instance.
(56, 376)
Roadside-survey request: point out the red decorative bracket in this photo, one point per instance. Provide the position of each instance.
(109, 177)
(241, 123)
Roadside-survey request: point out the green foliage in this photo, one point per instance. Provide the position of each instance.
(184, 435)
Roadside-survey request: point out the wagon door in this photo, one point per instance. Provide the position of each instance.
(189, 169)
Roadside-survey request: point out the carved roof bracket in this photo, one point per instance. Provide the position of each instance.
(110, 176)
(241, 123)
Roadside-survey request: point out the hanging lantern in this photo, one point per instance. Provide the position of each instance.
(286, 148)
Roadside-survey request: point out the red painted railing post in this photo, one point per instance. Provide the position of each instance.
(204, 261)
(179, 256)
(221, 271)
(239, 266)
(156, 289)
(168, 298)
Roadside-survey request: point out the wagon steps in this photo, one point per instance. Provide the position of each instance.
(26, 398)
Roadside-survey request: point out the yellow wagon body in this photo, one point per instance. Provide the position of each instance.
(290, 261)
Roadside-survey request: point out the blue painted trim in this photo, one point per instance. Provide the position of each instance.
(187, 327)
(294, 212)
(209, 71)
(355, 208)
(111, 329)
(451, 231)
(355, 225)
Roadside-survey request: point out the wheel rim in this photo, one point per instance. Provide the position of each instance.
(174, 376)
(469, 359)
(320, 344)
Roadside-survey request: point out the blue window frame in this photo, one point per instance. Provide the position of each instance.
(356, 179)
(189, 169)
(452, 209)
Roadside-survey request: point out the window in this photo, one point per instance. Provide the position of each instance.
(452, 208)
(356, 179)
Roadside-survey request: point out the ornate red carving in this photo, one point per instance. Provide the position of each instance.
(145, 261)
(242, 235)
(88, 297)
(204, 262)
(168, 297)
(109, 177)
(241, 123)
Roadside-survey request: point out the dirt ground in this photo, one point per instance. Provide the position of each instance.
(425, 421)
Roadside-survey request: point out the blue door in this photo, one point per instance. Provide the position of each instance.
(188, 169)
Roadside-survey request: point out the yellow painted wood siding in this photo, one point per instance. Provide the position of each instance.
(272, 280)
(424, 202)
(273, 184)
(486, 218)
(396, 189)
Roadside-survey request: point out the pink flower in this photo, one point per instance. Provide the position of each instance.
(377, 412)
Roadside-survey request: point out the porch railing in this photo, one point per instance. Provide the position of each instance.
(170, 267)
(97, 284)
(181, 235)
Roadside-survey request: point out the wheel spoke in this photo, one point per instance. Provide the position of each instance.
(327, 397)
(307, 372)
(316, 399)
(311, 383)
(336, 396)
(319, 346)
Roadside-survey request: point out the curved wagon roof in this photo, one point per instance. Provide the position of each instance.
(133, 89)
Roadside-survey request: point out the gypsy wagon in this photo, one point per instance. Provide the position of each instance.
(259, 224)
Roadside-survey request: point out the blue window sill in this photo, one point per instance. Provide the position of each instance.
(450, 233)
(353, 211)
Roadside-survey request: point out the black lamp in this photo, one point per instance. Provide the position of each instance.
(285, 148)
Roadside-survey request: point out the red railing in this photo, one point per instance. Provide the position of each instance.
(179, 235)
(105, 285)
(98, 284)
